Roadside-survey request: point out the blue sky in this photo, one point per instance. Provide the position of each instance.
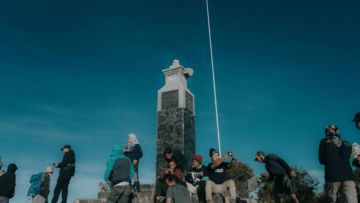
(86, 73)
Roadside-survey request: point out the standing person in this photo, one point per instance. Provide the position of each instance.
(134, 153)
(219, 182)
(196, 178)
(176, 193)
(357, 120)
(334, 154)
(44, 186)
(67, 170)
(7, 184)
(279, 171)
(1, 170)
(119, 172)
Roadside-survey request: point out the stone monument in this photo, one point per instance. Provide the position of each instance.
(176, 115)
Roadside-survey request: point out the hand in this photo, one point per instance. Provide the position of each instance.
(135, 162)
(226, 155)
(233, 156)
(292, 173)
(259, 181)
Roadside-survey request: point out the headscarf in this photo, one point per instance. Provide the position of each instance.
(116, 153)
(135, 141)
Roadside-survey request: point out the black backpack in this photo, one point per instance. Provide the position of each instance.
(120, 171)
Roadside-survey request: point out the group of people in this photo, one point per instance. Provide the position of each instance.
(40, 183)
(178, 183)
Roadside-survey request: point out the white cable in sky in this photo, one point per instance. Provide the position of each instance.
(213, 77)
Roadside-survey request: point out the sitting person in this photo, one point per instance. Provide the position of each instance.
(219, 182)
(172, 169)
(196, 178)
(176, 193)
(178, 156)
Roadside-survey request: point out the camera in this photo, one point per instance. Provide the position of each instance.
(230, 153)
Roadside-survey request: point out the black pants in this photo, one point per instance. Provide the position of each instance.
(62, 186)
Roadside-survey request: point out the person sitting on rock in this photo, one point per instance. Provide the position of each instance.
(179, 158)
(172, 169)
(196, 178)
(219, 182)
(176, 193)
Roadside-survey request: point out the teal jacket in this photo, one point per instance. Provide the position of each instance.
(116, 152)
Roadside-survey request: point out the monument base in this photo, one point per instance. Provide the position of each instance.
(146, 196)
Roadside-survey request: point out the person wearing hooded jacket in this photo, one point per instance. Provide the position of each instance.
(119, 173)
(133, 151)
(67, 171)
(7, 184)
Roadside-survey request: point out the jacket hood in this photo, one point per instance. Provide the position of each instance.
(12, 168)
(116, 150)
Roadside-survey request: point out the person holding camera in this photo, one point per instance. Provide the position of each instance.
(334, 154)
(279, 172)
(219, 182)
(67, 171)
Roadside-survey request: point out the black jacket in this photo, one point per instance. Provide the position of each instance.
(194, 175)
(180, 160)
(276, 166)
(67, 165)
(45, 186)
(135, 153)
(336, 160)
(8, 182)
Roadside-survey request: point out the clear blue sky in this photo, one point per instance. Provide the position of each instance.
(86, 73)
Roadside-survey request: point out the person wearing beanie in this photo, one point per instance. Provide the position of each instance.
(334, 154)
(219, 182)
(7, 184)
(279, 172)
(196, 178)
(357, 120)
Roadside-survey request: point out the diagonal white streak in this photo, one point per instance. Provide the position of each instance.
(213, 77)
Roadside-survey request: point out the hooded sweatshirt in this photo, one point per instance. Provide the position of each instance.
(7, 182)
(116, 153)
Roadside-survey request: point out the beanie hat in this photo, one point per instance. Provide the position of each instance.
(198, 158)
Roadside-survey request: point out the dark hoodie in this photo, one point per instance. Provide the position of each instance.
(180, 160)
(7, 182)
(67, 165)
(335, 155)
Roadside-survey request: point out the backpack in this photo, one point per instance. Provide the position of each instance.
(35, 182)
(121, 171)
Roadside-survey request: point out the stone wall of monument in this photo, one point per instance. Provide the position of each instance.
(175, 129)
(189, 131)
